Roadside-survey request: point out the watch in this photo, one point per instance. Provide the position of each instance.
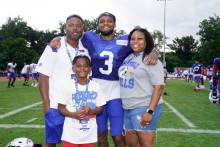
(150, 111)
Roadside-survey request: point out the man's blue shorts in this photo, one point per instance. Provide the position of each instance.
(197, 78)
(112, 112)
(53, 126)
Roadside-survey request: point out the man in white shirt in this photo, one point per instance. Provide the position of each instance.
(55, 66)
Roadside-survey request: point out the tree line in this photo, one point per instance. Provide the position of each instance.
(21, 43)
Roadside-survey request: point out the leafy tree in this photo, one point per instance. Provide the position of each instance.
(172, 61)
(210, 39)
(184, 49)
(158, 39)
(20, 42)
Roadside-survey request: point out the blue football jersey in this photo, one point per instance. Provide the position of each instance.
(217, 63)
(106, 55)
(197, 68)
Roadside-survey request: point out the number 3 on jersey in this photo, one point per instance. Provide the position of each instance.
(107, 62)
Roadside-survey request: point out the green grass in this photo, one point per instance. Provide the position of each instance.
(172, 130)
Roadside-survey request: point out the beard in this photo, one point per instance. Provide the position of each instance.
(106, 33)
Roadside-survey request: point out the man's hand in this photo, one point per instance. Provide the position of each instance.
(152, 58)
(55, 43)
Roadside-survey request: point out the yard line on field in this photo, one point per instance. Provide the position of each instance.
(20, 126)
(19, 110)
(33, 119)
(187, 122)
(188, 130)
(158, 129)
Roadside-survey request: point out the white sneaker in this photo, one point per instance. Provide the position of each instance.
(201, 86)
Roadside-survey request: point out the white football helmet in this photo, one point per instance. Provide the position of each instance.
(213, 97)
(21, 142)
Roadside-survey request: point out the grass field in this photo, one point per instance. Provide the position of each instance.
(188, 120)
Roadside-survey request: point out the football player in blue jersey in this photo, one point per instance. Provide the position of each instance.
(107, 53)
(197, 73)
(216, 81)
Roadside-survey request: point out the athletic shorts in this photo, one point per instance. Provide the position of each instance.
(25, 75)
(132, 119)
(53, 126)
(11, 75)
(35, 76)
(197, 78)
(112, 112)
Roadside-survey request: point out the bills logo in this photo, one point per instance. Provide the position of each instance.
(108, 47)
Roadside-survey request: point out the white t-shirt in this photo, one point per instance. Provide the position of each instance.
(25, 69)
(75, 131)
(111, 88)
(12, 67)
(56, 64)
(33, 67)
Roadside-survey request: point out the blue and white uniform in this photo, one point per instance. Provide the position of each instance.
(216, 67)
(11, 70)
(209, 72)
(197, 71)
(25, 71)
(106, 57)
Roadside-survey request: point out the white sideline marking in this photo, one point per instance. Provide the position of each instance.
(19, 110)
(158, 129)
(20, 126)
(33, 119)
(187, 122)
(188, 130)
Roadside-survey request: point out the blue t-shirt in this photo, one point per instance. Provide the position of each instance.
(106, 55)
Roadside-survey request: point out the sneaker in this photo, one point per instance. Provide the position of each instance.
(12, 85)
(201, 86)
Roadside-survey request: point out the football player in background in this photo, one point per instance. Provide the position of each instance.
(11, 74)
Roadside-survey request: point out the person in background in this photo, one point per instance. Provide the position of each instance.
(197, 69)
(34, 74)
(25, 73)
(216, 79)
(55, 67)
(209, 74)
(141, 87)
(11, 74)
(165, 74)
(81, 101)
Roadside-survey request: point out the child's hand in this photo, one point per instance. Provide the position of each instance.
(86, 110)
(80, 115)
